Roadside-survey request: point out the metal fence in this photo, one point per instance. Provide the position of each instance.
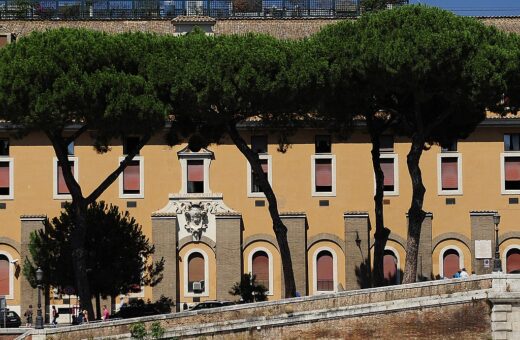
(164, 9)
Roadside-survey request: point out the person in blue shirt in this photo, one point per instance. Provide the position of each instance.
(456, 275)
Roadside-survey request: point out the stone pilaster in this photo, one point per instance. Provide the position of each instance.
(482, 229)
(424, 262)
(28, 294)
(296, 224)
(357, 250)
(228, 253)
(164, 237)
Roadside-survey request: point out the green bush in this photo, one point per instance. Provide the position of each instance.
(156, 330)
(138, 330)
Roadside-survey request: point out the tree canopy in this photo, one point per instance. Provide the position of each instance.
(118, 253)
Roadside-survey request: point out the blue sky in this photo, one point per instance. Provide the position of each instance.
(476, 7)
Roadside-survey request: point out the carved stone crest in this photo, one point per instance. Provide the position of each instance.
(196, 221)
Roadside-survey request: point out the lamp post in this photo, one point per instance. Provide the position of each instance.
(497, 263)
(39, 317)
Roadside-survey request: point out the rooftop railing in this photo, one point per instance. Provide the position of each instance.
(169, 9)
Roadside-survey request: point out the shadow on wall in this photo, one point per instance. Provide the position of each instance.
(364, 276)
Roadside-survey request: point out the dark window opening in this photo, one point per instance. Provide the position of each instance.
(130, 145)
(386, 143)
(512, 142)
(323, 144)
(255, 186)
(259, 144)
(4, 147)
(450, 147)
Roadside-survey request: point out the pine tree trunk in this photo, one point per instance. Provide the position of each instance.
(382, 233)
(98, 307)
(79, 255)
(416, 214)
(279, 228)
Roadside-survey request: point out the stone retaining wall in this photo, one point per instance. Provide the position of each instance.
(281, 28)
(371, 303)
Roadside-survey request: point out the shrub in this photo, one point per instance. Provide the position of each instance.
(138, 330)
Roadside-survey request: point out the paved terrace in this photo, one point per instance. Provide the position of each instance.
(481, 307)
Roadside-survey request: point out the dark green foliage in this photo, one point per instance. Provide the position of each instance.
(249, 290)
(138, 330)
(117, 252)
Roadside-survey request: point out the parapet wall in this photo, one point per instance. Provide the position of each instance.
(288, 28)
(462, 309)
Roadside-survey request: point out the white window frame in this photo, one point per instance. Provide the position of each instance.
(398, 264)
(504, 255)
(55, 194)
(459, 190)
(313, 175)
(315, 270)
(9, 160)
(141, 179)
(11, 274)
(441, 258)
(250, 193)
(503, 156)
(206, 273)
(203, 155)
(395, 157)
(270, 257)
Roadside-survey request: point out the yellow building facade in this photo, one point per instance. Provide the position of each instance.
(212, 232)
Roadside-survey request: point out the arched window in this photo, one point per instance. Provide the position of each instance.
(513, 260)
(5, 276)
(450, 262)
(390, 268)
(260, 264)
(196, 269)
(324, 271)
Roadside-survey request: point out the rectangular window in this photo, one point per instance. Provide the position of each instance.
(130, 145)
(131, 182)
(4, 147)
(389, 166)
(512, 173)
(70, 149)
(61, 191)
(452, 147)
(62, 186)
(6, 178)
(252, 180)
(323, 175)
(322, 144)
(449, 173)
(195, 176)
(386, 143)
(512, 142)
(259, 144)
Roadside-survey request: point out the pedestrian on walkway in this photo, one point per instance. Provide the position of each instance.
(28, 316)
(106, 314)
(54, 316)
(464, 274)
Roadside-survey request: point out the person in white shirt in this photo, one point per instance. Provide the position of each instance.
(464, 274)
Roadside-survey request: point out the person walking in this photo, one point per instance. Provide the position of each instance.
(85, 316)
(54, 316)
(28, 316)
(106, 314)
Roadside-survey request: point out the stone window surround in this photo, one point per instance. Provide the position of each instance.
(141, 179)
(504, 256)
(205, 156)
(398, 264)
(503, 156)
(313, 175)
(395, 157)
(11, 274)
(441, 258)
(270, 257)
(206, 273)
(315, 270)
(10, 160)
(250, 193)
(55, 194)
(448, 154)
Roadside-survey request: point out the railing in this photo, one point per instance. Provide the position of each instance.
(165, 9)
(325, 285)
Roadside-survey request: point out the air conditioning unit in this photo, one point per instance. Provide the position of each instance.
(197, 286)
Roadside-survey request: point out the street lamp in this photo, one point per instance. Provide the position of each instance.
(39, 318)
(497, 263)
